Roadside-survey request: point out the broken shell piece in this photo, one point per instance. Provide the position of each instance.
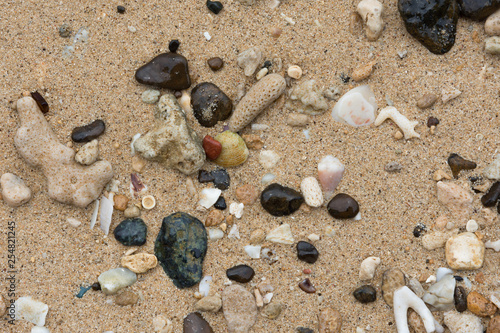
(253, 251)
(493, 245)
(209, 197)
(404, 298)
(364, 71)
(282, 234)
(356, 107)
(408, 127)
(330, 172)
(148, 202)
(236, 209)
(447, 94)
(368, 267)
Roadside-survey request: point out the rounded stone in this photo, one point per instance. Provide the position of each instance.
(214, 6)
(307, 286)
(212, 147)
(210, 104)
(167, 70)
(365, 294)
(460, 299)
(240, 273)
(126, 298)
(88, 132)
(480, 305)
(343, 206)
(464, 251)
(215, 63)
(240, 309)
(494, 325)
(307, 252)
(131, 232)
(392, 280)
(330, 321)
(195, 323)
(478, 9)
(280, 200)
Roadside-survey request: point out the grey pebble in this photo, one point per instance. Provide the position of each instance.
(393, 167)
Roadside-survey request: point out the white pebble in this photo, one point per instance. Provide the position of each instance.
(234, 233)
(261, 73)
(116, 279)
(215, 233)
(462, 322)
(295, 72)
(209, 197)
(207, 36)
(14, 190)
(259, 127)
(492, 24)
(408, 127)
(185, 102)
(492, 45)
(449, 93)
(73, 222)
(267, 178)
(236, 209)
(253, 251)
(31, 310)
(472, 226)
(371, 13)
(313, 237)
(312, 192)
(204, 286)
(492, 171)
(132, 28)
(249, 60)
(330, 172)
(267, 298)
(442, 272)
(281, 234)
(368, 267)
(441, 294)
(268, 159)
(356, 107)
(465, 251)
(307, 136)
(88, 153)
(493, 245)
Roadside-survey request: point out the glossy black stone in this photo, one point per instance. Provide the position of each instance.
(181, 247)
(214, 6)
(478, 9)
(195, 323)
(280, 200)
(432, 22)
(457, 163)
(220, 204)
(167, 70)
(131, 232)
(96, 286)
(365, 294)
(205, 176)
(173, 45)
(307, 252)
(120, 9)
(460, 299)
(42, 103)
(221, 179)
(491, 197)
(240, 273)
(210, 104)
(343, 206)
(88, 132)
(419, 230)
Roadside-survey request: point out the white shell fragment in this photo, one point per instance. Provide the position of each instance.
(234, 233)
(408, 127)
(330, 172)
(312, 192)
(209, 196)
(368, 267)
(493, 245)
(441, 272)
(204, 287)
(404, 298)
(148, 202)
(253, 251)
(236, 209)
(356, 107)
(93, 219)
(282, 235)
(449, 93)
(215, 233)
(492, 171)
(31, 310)
(73, 222)
(106, 213)
(440, 295)
(39, 329)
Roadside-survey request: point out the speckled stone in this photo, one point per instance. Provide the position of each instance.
(195, 323)
(210, 104)
(240, 309)
(131, 232)
(392, 280)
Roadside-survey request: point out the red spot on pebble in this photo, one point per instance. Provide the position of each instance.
(212, 147)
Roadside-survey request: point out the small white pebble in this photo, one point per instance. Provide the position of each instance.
(472, 226)
(295, 72)
(267, 178)
(234, 233)
(236, 209)
(253, 251)
(215, 233)
(267, 298)
(204, 286)
(311, 190)
(207, 36)
(431, 279)
(132, 28)
(306, 134)
(73, 222)
(261, 73)
(313, 237)
(288, 19)
(259, 127)
(402, 54)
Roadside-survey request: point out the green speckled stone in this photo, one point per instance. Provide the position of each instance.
(180, 247)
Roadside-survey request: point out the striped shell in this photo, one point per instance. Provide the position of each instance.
(234, 150)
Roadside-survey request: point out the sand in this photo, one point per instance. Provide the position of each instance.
(97, 81)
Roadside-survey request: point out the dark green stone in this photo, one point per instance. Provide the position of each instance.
(180, 247)
(365, 294)
(432, 22)
(478, 9)
(131, 232)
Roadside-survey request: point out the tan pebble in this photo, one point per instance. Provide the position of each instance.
(298, 119)
(253, 141)
(432, 129)
(69, 144)
(480, 305)
(258, 298)
(363, 72)
(230, 220)
(120, 202)
(148, 202)
(3, 306)
(330, 321)
(494, 325)
(26, 93)
(116, 145)
(209, 304)
(132, 211)
(191, 188)
(440, 175)
(257, 237)
(223, 227)
(261, 73)
(247, 194)
(440, 223)
(276, 32)
(492, 26)
(423, 277)
(426, 101)
(214, 218)
(398, 135)
(140, 262)
(272, 311)
(138, 163)
(295, 72)
(161, 323)
(464, 251)
(479, 278)
(392, 280)
(126, 298)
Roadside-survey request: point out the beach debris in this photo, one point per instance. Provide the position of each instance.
(480, 305)
(240, 273)
(150, 96)
(280, 200)
(106, 213)
(234, 150)
(441, 294)
(307, 252)
(89, 132)
(139, 263)
(364, 71)
(493, 245)
(268, 159)
(120, 202)
(457, 199)
(215, 63)
(368, 267)
(457, 163)
(311, 190)
(426, 100)
(253, 251)
(407, 126)
(14, 190)
(249, 60)
(330, 321)
(210, 104)
(371, 13)
(492, 24)
(478, 9)
(212, 303)
(294, 71)
(236, 209)
(209, 196)
(247, 194)
(298, 119)
(462, 322)
(167, 70)
(464, 251)
(40, 101)
(492, 171)
(330, 172)
(212, 147)
(148, 202)
(460, 299)
(356, 107)
(194, 323)
(31, 310)
(392, 279)
(404, 299)
(214, 6)
(343, 206)
(88, 154)
(281, 234)
(131, 232)
(240, 309)
(449, 93)
(307, 286)
(306, 97)
(116, 279)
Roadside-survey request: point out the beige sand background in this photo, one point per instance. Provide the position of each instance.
(54, 259)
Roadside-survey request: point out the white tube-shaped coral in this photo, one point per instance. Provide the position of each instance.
(404, 298)
(408, 127)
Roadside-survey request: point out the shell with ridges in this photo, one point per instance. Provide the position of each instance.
(234, 150)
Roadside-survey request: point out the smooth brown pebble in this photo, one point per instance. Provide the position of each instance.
(307, 286)
(330, 321)
(132, 211)
(126, 298)
(494, 325)
(215, 63)
(392, 280)
(276, 32)
(120, 202)
(247, 194)
(427, 100)
(253, 141)
(195, 323)
(480, 305)
(214, 218)
(257, 237)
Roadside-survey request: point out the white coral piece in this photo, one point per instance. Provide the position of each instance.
(407, 126)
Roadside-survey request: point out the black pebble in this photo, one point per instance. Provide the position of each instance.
(343, 206)
(96, 286)
(478, 9)
(240, 273)
(432, 121)
(120, 9)
(365, 294)
(280, 200)
(88, 132)
(214, 6)
(491, 197)
(304, 330)
(210, 104)
(167, 70)
(458, 278)
(42, 103)
(221, 179)
(173, 46)
(418, 230)
(131, 232)
(460, 299)
(205, 177)
(307, 252)
(220, 204)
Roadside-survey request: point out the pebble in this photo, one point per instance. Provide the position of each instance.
(416, 287)
(298, 120)
(456, 199)
(14, 191)
(356, 107)
(167, 70)
(393, 167)
(220, 203)
(371, 13)
(460, 299)
(415, 322)
(88, 132)
(88, 154)
(258, 98)
(261, 73)
(392, 280)
(28, 309)
(40, 101)
(364, 71)
(214, 218)
(480, 305)
(150, 96)
(433, 24)
(307, 252)
(365, 294)
(209, 304)
(492, 24)
(330, 321)
(73, 222)
(306, 97)
(249, 60)
(280, 200)
(281, 234)
(272, 310)
(240, 273)
(126, 298)
(492, 45)
(236, 209)
(215, 233)
(65, 30)
(215, 63)
(462, 322)
(441, 294)
(131, 232)
(253, 251)
(311, 190)
(465, 251)
(132, 211)
(494, 325)
(140, 262)
(116, 279)
(457, 163)
(478, 9)
(330, 172)
(210, 104)
(138, 163)
(253, 141)
(195, 323)
(368, 267)
(343, 206)
(205, 177)
(247, 194)
(472, 226)
(239, 309)
(307, 286)
(120, 202)
(493, 245)
(427, 100)
(162, 324)
(39, 329)
(214, 6)
(432, 121)
(449, 93)
(492, 170)
(209, 196)
(257, 236)
(180, 247)
(295, 72)
(407, 126)
(268, 159)
(221, 179)
(267, 178)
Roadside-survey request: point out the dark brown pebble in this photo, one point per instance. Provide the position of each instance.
(96, 286)
(42, 103)
(491, 197)
(343, 206)
(280, 200)
(88, 132)
(195, 323)
(167, 70)
(307, 286)
(432, 122)
(460, 299)
(365, 294)
(240, 273)
(178, 94)
(458, 163)
(215, 63)
(210, 104)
